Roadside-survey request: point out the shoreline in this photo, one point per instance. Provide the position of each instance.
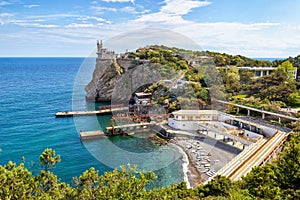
(191, 175)
(202, 157)
(185, 164)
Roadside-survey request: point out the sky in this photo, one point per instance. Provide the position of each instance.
(70, 28)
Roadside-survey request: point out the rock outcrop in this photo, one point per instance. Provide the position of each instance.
(105, 76)
(117, 79)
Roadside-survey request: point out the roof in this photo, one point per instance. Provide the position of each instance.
(142, 94)
(195, 112)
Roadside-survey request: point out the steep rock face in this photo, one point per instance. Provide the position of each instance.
(105, 75)
(115, 80)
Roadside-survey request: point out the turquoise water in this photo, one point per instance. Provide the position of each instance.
(33, 89)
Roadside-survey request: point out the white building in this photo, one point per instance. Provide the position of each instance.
(259, 71)
(186, 119)
(264, 71)
(142, 98)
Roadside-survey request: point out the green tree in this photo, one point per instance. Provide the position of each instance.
(124, 184)
(16, 182)
(287, 69)
(262, 183)
(246, 76)
(289, 166)
(280, 179)
(48, 159)
(87, 185)
(294, 99)
(275, 87)
(232, 79)
(277, 180)
(49, 185)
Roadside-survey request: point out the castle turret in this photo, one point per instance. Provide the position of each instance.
(99, 45)
(104, 54)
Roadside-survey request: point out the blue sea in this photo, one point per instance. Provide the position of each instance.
(33, 89)
(269, 59)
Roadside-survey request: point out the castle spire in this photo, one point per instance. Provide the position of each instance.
(103, 53)
(99, 45)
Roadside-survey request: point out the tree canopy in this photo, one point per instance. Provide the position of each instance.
(277, 180)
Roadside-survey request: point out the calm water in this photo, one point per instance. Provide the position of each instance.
(269, 59)
(32, 90)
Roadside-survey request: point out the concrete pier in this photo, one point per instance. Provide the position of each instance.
(130, 126)
(91, 112)
(91, 135)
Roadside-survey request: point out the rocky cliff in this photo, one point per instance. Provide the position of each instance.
(105, 75)
(117, 79)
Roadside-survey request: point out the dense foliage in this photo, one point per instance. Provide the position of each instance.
(277, 180)
(222, 59)
(295, 61)
(161, 56)
(273, 92)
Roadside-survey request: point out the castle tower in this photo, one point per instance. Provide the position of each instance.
(103, 53)
(99, 46)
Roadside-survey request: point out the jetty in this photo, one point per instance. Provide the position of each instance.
(115, 130)
(130, 126)
(103, 110)
(92, 135)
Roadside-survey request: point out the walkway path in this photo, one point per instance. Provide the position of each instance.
(259, 110)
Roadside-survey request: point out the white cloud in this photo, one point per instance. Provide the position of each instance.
(52, 16)
(251, 39)
(127, 9)
(101, 9)
(6, 14)
(77, 25)
(133, 10)
(92, 20)
(120, 1)
(182, 7)
(5, 18)
(86, 18)
(172, 11)
(4, 3)
(35, 25)
(31, 6)
(9, 18)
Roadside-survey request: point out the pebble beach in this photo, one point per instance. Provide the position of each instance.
(203, 157)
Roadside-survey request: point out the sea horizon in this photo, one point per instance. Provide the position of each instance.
(84, 57)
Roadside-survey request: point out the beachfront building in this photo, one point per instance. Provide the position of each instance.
(142, 103)
(186, 119)
(142, 98)
(263, 71)
(258, 71)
